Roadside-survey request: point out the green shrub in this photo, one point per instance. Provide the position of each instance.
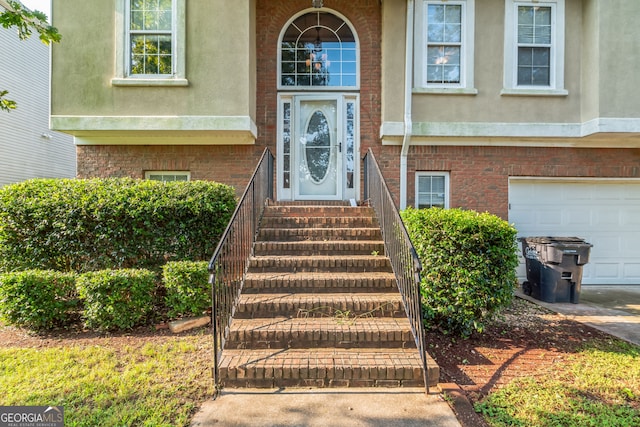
(95, 224)
(469, 262)
(188, 292)
(116, 299)
(38, 300)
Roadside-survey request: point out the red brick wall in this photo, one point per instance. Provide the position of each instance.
(479, 176)
(229, 164)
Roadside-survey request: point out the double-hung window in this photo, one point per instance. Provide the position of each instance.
(444, 45)
(150, 42)
(534, 47)
(151, 37)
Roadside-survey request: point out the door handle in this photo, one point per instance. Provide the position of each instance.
(339, 147)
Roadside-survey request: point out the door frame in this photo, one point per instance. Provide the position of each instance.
(348, 133)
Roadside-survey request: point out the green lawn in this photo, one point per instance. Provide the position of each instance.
(112, 382)
(599, 387)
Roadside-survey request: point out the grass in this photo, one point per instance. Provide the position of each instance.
(599, 387)
(157, 383)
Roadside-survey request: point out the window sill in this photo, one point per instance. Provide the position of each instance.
(446, 90)
(534, 92)
(120, 81)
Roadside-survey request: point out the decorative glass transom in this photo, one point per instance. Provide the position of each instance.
(318, 49)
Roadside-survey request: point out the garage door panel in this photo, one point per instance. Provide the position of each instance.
(578, 217)
(605, 213)
(632, 270)
(550, 217)
(631, 217)
(581, 194)
(607, 217)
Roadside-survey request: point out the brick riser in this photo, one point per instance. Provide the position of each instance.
(320, 306)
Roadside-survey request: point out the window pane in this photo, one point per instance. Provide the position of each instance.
(431, 191)
(443, 64)
(534, 24)
(318, 49)
(534, 66)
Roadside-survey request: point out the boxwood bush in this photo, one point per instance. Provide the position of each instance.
(187, 288)
(38, 300)
(469, 262)
(95, 224)
(116, 299)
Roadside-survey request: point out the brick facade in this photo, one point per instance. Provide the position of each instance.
(479, 176)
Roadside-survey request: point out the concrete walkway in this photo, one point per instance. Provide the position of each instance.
(611, 309)
(327, 407)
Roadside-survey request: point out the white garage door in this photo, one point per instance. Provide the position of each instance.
(605, 213)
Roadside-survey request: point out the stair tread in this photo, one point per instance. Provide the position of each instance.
(320, 304)
(328, 323)
(328, 297)
(302, 356)
(366, 275)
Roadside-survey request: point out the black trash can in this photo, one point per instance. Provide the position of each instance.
(554, 267)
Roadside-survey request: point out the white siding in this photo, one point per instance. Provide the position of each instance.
(24, 152)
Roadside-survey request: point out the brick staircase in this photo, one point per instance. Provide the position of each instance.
(320, 306)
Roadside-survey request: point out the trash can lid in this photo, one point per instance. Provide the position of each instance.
(554, 240)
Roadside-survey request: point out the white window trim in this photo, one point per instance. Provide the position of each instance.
(466, 85)
(446, 186)
(556, 86)
(178, 78)
(148, 174)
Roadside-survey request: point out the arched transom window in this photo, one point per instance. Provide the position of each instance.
(318, 49)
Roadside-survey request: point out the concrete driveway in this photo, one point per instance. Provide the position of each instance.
(611, 309)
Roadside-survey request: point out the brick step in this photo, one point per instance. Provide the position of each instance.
(271, 368)
(319, 263)
(317, 222)
(297, 234)
(320, 282)
(310, 247)
(326, 305)
(312, 203)
(318, 211)
(337, 331)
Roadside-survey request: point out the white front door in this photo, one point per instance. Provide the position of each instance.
(317, 148)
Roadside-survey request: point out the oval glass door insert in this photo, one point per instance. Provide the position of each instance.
(318, 146)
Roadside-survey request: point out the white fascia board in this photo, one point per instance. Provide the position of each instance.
(89, 124)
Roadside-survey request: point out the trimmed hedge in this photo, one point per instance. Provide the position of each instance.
(38, 300)
(188, 292)
(96, 224)
(469, 262)
(116, 299)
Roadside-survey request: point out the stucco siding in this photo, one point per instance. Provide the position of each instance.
(28, 148)
(220, 65)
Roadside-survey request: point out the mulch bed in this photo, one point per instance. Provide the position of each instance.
(527, 340)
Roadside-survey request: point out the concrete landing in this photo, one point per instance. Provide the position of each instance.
(370, 407)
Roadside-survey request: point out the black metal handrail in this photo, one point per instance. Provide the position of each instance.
(404, 259)
(229, 262)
